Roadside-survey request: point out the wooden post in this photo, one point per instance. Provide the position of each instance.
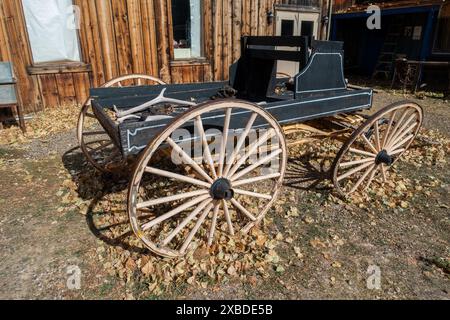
(447, 94)
(163, 40)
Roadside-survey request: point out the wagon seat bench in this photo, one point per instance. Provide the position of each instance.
(177, 197)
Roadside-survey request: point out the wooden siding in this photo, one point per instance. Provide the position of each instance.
(131, 36)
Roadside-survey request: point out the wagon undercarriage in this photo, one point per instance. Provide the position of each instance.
(210, 158)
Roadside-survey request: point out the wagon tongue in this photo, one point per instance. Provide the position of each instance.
(221, 190)
(385, 158)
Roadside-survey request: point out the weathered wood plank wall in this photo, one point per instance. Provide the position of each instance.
(131, 36)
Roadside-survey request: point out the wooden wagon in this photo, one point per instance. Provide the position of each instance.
(212, 156)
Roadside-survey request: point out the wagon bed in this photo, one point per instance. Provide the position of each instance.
(315, 93)
(231, 170)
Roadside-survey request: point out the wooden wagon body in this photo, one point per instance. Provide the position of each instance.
(234, 185)
(317, 92)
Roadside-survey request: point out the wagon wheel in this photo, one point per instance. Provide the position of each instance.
(95, 143)
(376, 146)
(229, 183)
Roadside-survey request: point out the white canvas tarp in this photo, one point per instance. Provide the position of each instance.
(196, 21)
(51, 30)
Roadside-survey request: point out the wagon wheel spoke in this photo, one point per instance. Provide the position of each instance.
(223, 147)
(239, 183)
(372, 177)
(174, 212)
(362, 152)
(252, 194)
(228, 217)
(168, 199)
(392, 145)
(213, 224)
(256, 165)
(356, 162)
(196, 227)
(383, 173)
(363, 177)
(252, 148)
(102, 146)
(371, 146)
(111, 157)
(176, 176)
(377, 137)
(353, 171)
(188, 160)
(90, 115)
(241, 208)
(94, 133)
(389, 127)
(185, 222)
(207, 152)
(240, 143)
(397, 126)
(398, 151)
(404, 141)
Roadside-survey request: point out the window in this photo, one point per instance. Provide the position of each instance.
(442, 42)
(287, 27)
(51, 30)
(187, 27)
(307, 28)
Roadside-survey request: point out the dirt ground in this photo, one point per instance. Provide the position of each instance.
(56, 212)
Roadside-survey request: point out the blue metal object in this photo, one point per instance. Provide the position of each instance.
(6, 73)
(7, 84)
(428, 32)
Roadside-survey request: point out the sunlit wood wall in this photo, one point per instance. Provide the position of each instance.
(130, 36)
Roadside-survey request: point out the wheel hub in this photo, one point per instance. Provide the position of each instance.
(384, 158)
(221, 190)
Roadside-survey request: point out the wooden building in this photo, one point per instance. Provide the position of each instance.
(102, 39)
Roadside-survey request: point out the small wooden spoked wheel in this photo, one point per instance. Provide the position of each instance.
(376, 146)
(213, 179)
(95, 143)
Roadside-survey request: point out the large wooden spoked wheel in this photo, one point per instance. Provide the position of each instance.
(228, 184)
(375, 146)
(95, 143)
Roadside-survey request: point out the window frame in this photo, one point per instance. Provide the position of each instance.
(52, 67)
(434, 50)
(191, 60)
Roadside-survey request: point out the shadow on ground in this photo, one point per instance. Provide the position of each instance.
(301, 174)
(99, 188)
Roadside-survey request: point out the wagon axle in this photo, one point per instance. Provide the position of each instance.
(221, 190)
(384, 158)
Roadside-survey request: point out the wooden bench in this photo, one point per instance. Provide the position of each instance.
(8, 93)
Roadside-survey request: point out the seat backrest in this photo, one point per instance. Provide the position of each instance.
(6, 73)
(324, 73)
(254, 75)
(7, 88)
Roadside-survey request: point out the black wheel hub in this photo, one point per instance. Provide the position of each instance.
(221, 190)
(385, 158)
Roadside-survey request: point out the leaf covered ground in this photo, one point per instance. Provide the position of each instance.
(57, 211)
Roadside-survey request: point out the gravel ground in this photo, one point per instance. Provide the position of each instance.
(44, 230)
